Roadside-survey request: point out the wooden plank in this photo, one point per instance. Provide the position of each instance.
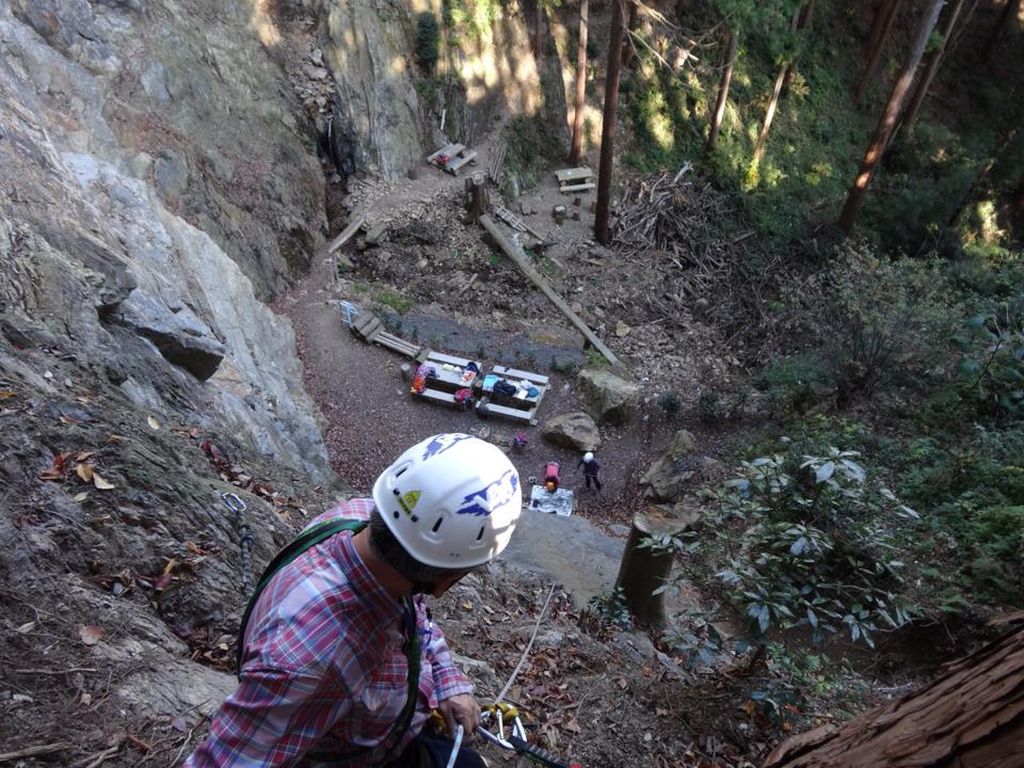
(573, 174)
(577, 187)
(453, 166)
(512, 413)
(440, 397)
(450, 359)
(515, 373)
(538, 279)
(346, 234)
(399, 345)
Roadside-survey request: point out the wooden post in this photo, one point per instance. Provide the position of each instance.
(476, 198)
(643, 570)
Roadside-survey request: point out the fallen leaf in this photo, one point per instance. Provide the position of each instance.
(100, 483)
(179, 724)
(6, 394)
(80, 497)
(112, 438)
(24, 629)
(153, 423)
(86, 699)
(56, 469)
(468, 605)
(84, 471)
(90, 634)
(163, 582)
(660, 712)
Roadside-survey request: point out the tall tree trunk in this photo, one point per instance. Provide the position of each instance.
(611, 102)
(581, 85)
(1010, 11)
(931, 66)
(889, 8)
(536, 30)
(878, 22)
(971, 717)
(629, 50)
(888, 120)
(799, 19)
(805, 21)
(723, 93)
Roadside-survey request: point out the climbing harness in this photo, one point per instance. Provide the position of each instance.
(245, 538)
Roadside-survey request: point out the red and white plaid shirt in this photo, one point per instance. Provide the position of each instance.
(324, 670)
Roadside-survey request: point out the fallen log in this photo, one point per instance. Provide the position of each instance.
(527, 269)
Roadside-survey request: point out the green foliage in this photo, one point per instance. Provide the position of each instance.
(427, 41)
(993, 363)
(791, 383)
(475, 19)
(876, 320)
(818, 547)
(393, 299)
(606, 612)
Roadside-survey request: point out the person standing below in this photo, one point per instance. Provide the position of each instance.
(328, 667)
(590, 469)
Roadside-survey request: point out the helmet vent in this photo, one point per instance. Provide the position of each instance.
(437, 526)
(480, 535)
(414, 518)
(401, 471)
(395, 513)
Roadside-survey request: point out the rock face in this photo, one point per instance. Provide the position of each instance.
(669, 475)
(610, 399)
(573, 430)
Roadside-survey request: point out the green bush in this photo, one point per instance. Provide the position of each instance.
(992, 367)
(791, 383)
(997, 537)
(818, 545)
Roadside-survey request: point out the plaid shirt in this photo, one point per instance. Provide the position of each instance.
(324, 670)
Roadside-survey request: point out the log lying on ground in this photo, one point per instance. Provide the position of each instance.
(971, 717)
(527, 269)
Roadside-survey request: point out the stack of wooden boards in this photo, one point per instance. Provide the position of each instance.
(575, 180)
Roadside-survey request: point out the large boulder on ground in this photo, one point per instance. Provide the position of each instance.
(572, 430)
(610, 399)
(668, 476)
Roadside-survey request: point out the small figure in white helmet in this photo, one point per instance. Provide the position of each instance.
(590, 469)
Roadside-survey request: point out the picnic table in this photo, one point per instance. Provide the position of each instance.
(575, 179)
(451, 157)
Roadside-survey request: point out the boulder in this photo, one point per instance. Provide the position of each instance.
(572, 430)
(669, 475)
(610, 399)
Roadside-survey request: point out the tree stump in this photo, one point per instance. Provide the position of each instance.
(643, 570)
(476, 197)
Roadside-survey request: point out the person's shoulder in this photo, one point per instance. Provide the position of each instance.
(350, 509)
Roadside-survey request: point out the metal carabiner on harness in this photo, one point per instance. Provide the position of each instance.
(516, 740)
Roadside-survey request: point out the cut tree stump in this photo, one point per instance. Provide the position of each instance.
(643, 570)
(970, 717)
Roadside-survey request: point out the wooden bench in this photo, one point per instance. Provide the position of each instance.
(513, 413)
(452, 166)
(451, 150)
(569, 175)
(433, 394)
(440, 357)
(565, 189)
(515, 373)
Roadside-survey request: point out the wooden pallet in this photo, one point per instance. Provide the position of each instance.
(516, 223)
(397, 344)
(367, 327)
(370, 329)
(452, 166)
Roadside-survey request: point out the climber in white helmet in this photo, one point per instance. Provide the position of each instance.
(590, 469)
(340, 661)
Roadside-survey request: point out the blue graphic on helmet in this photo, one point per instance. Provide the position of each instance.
(441, 443)
(481, 503)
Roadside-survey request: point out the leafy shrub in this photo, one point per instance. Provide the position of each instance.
(876, 320)
(791, 382)
(606, 612)
(817, 550)
(993, 363)
(998, 539)
(427, 41)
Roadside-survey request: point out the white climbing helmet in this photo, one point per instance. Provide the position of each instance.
(588, 456)
(452, 501)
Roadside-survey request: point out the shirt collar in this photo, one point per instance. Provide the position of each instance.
(365, 585)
